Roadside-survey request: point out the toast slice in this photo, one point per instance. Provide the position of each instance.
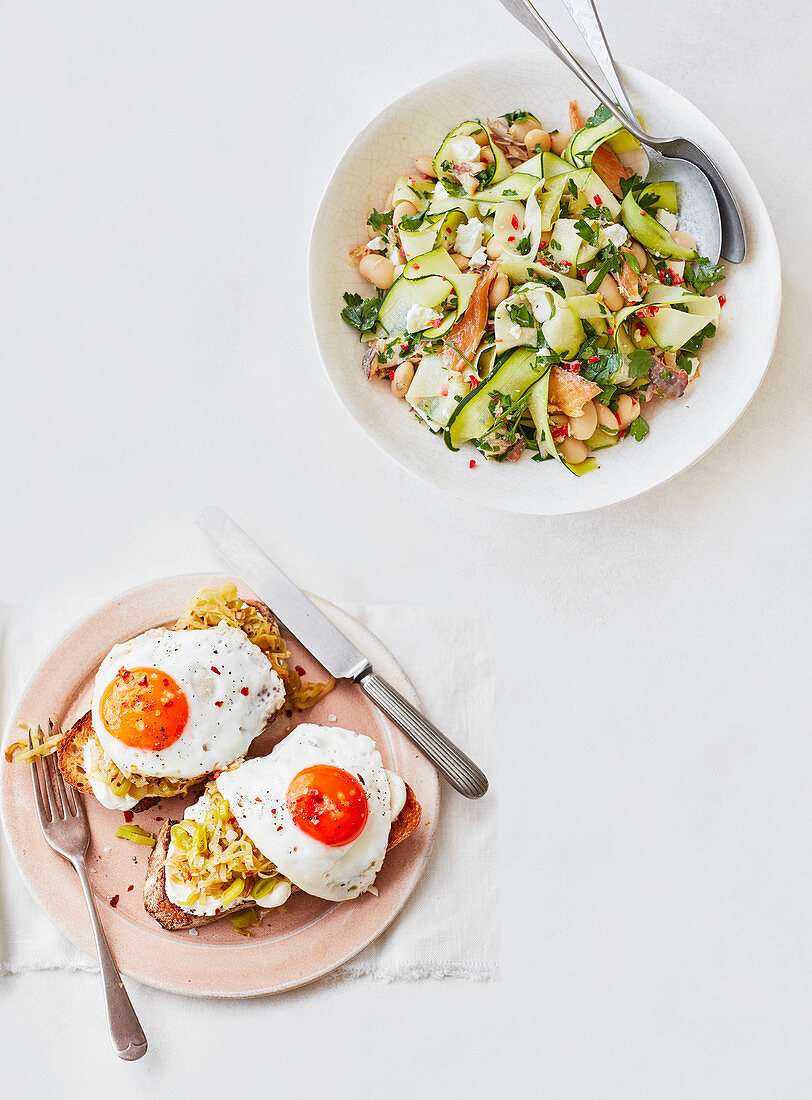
(70, 758)
(174, 919)
(70, 754)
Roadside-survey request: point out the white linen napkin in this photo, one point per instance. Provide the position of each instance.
(449, 927)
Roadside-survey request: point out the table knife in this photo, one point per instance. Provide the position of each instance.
(336, 652)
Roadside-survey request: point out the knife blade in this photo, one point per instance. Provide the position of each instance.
(288, 603)
(336, 652)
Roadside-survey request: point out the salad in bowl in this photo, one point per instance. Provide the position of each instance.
(530, 294)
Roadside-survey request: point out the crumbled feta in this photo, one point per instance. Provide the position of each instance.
(469, 237)
(440, 192)
(377, 244)
(464, 149)
(420, 317)
(515, 332)
(667, 220)
(479, 258)
(616, 234)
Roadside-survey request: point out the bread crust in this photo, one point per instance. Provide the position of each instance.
(174, 919)
(70, 754)
(70, 758)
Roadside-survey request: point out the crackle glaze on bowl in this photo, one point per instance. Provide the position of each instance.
(682, 431)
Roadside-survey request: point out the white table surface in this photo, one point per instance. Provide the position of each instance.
(161, 165)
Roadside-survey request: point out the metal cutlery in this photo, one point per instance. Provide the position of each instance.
(64, 823)
(709, 212)
(336, 652)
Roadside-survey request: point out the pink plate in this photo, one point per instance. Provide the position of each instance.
(288, 949)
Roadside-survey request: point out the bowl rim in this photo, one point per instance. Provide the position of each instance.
(734, 412)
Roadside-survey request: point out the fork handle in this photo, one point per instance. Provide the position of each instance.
(126, 1033)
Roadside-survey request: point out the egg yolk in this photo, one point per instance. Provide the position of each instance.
(144, 708)
(328, 804)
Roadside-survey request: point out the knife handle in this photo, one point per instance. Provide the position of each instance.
(451, 762)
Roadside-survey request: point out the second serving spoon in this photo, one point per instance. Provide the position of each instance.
(708, 210)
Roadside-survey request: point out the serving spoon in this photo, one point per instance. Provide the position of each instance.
(708, 210)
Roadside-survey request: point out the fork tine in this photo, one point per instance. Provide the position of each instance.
(44, 815)
(70, 799)
(62, 788)
(54, 800)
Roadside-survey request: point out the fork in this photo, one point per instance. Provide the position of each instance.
(64, 823)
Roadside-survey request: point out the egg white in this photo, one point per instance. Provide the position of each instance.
(257, 794)
(213, 737)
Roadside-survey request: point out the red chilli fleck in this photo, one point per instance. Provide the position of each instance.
(128, 816)
(132, 887)
(218, 702)
(472, 464)
(243, 691)
(511, 238)
(514, 221)
(444, 391)
(300, 670)
(722, 299)
(114, 901)
(216, 670)
(597, 200)
(594, 359)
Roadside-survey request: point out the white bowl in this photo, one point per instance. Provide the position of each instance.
(733, 364)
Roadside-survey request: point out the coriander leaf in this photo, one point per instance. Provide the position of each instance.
(587, 232)
(703, 274)
(597, 213)
(640, 362)
(411, 222)
(380, 221)
(521, 315)
(629, 184)
(361, 314)
(693, 346)
(601, 114)
(648, 201)
(512, 117)
(638, 429)
(523, 247)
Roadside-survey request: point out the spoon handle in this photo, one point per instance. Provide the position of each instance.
(585, 16)
(526, 13)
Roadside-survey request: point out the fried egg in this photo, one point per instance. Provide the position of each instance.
(319, 807)
(182, 703)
